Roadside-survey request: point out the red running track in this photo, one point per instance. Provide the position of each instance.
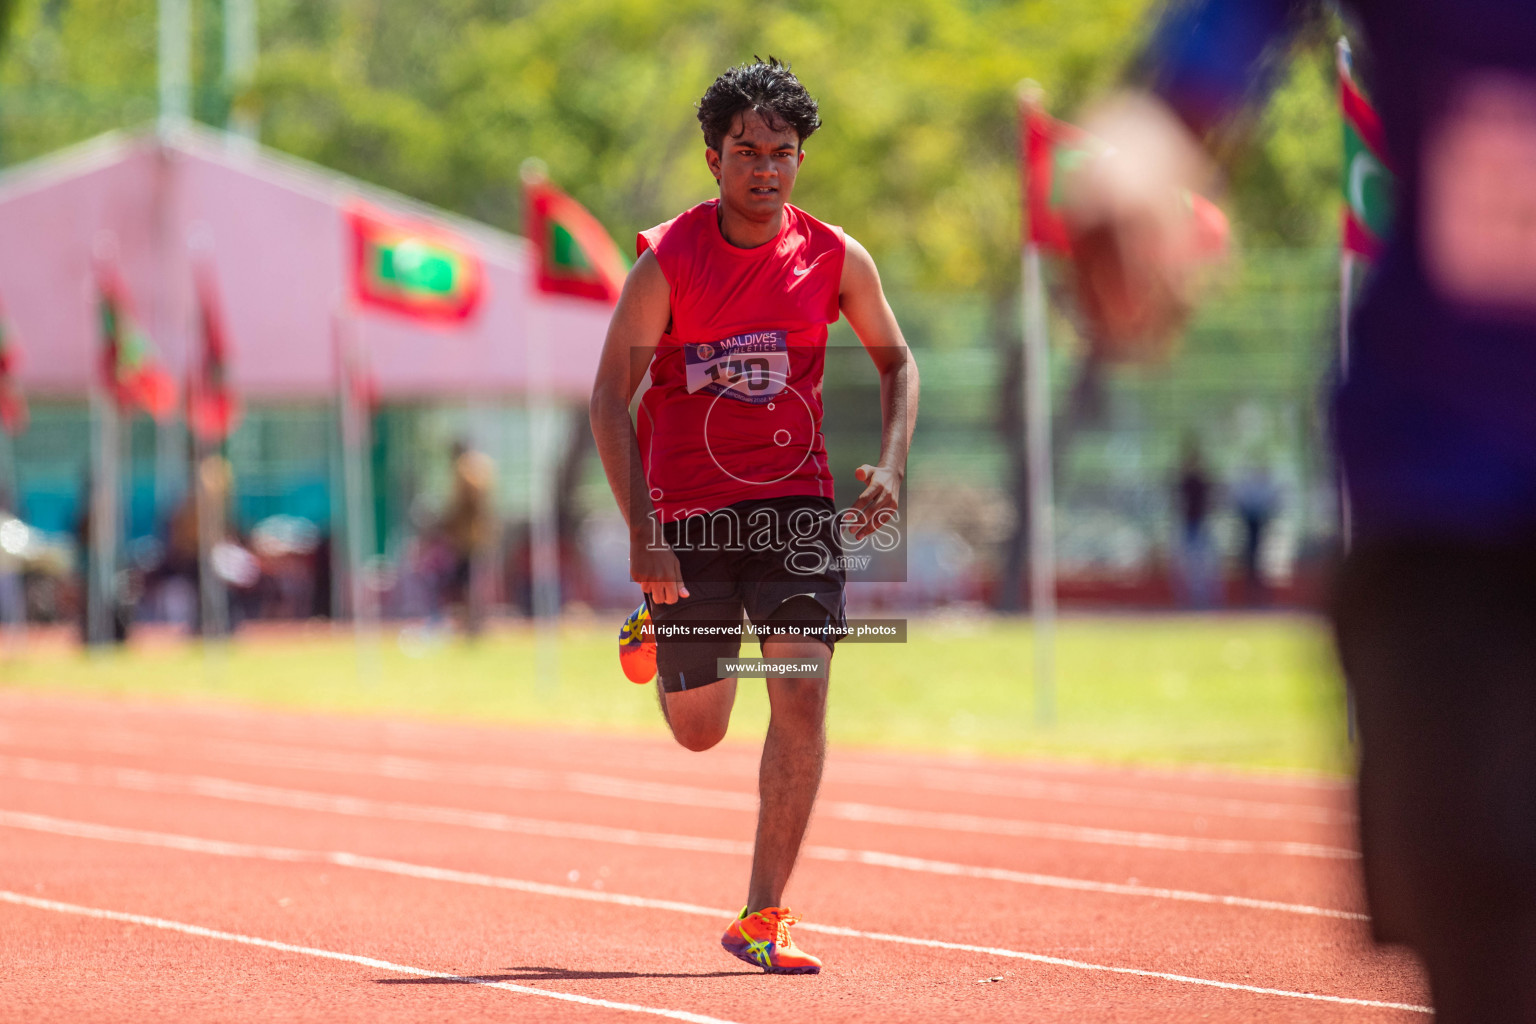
(203, 863)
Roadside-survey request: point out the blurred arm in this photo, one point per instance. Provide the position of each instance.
(863, 303)
(1207, 63)
(1209, 60)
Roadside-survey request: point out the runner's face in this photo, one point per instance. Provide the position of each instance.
(756, 166)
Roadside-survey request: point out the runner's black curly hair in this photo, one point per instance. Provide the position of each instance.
(766, 86)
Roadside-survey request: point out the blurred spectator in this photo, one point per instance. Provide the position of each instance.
(189, 535)
(1199, 569)
(291, 559)
(1257, 500)
(468, 527)
(13, 534)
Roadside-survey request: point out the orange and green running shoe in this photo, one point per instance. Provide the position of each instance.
(637, 646)
(763, 939)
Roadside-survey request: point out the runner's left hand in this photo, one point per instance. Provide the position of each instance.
(877, 505)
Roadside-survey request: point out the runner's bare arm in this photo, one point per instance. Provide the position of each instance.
(638, 323)
(870, 316)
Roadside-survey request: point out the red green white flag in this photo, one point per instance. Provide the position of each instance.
(414, 269)
(213, 410)
(131, 368)
(576, 256)
(1368, 182)
(13, 404)
(1053, 151)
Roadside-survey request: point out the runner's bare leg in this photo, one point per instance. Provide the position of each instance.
(790, 775)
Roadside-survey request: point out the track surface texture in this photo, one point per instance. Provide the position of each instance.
(190, 863)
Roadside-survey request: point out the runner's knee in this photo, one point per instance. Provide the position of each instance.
(798, 701)
(699, 718)
(699, 737)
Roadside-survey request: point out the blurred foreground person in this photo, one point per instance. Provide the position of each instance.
(1435, 424)
(469, 528)
(727, 490)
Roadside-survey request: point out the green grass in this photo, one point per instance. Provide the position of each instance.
(1247, 692)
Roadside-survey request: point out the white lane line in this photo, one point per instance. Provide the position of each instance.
(490, 821)
(356, 807)
(394, 867)
(690, 796)
(352, 958)
(950, 780)
(939, 867)
(934, 779)
(976, 823)
(1081, 965)
(91, 830)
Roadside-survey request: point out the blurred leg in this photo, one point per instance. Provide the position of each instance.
(1439, 644)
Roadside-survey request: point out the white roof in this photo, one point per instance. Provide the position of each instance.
(280, 242)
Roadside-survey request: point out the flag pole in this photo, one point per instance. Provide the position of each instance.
(102, 492)
(358, 487)
(13, 595)
(123, 524)
(338, 487)
(101, 602)
(240, 55)
(1037, 452)
(96, 520)
(543, 539)
(210, 530)
(1037, 440)
(174, 63)
(1346, 296)
(211, 592)
(543, 542)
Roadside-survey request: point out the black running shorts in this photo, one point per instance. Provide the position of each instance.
(779, 561)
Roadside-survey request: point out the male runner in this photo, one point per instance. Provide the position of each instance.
(1435, 422)
(726, 488)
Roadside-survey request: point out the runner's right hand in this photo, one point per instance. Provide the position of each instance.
(653, 565)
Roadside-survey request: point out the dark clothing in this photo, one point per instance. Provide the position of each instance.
(1436, 423)
(1194, 493)
(778, 560)
(1438, 641)
(1254, 527)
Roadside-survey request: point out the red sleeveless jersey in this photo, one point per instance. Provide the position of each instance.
(733, 411)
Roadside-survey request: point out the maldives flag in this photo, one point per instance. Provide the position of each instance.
(414, 269)
(1368, 179)
(575, 253)
(130, 366)
(212, 408)
(13, 404)
(1053, 152)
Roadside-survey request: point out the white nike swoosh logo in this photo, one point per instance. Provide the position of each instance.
(801, 271)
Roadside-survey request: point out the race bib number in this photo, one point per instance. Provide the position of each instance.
(751, 368)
